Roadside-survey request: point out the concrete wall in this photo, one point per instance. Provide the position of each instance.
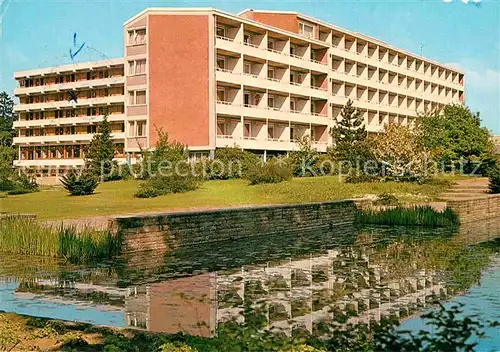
(480, 208)
(161, 232)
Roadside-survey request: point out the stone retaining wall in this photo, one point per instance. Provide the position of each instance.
(161, 232)
(480, 208)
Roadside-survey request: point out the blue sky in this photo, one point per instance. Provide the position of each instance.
(40, 33)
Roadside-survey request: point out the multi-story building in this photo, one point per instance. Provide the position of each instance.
(259, 80)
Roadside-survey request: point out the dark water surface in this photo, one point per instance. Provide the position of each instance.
(294, 281)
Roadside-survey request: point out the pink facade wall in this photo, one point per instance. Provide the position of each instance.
(287, 22)
(179, 78)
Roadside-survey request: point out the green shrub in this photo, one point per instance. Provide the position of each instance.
(415, 216)
(274, 171)
(180, 180)
(387, 199)
(176, 347)
(120, 172)
(230, 162)
(80, 184)
(23, 184)
(304, 159)
(494, 180)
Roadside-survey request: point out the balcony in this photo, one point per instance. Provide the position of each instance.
(264, 143)
(93, 83)
(65, 103)
(234, 109)
(82, 120)
(270, 83)
(71, 138)
(270, 54)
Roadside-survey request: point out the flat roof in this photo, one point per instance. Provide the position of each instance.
(298, 14)
(69, 68)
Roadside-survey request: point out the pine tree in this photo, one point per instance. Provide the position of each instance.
(100, 152)
(350, 143)
(7, 117)
(350, 128)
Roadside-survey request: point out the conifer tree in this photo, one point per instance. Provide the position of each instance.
(100, 152)
(350, 128)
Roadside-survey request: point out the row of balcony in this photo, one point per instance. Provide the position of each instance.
(57, 87)
(302, 59)
(307, 84)
(382, 75)
(284, 52)
(303, 88)
(81, 120)
(272, 144)
(342, 55)
(71, 138)
(114, 99)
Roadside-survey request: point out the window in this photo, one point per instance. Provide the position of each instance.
(91, 111)
(293, 49)
(270, 101)
(221, 94)
(247, 68)
(270, 73)
(91, 75)
(140, 97)
(293, 105)
(137, 36)
(91, 129)
(103, 110)
(221, 129)
(270, 44)
(221, 31)
(137, 97)
(270, 132)
(137, 67)
(91, 94)
(140, 129)
(221, 62)
(246, 38)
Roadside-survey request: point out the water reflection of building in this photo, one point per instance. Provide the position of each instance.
(341, 286)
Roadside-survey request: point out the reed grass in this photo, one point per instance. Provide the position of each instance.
(413, 216)
(22, 235)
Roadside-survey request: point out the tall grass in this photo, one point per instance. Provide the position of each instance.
(21, 235)
(24, 235)
(414, 216)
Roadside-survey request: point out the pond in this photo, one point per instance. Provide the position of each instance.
(292, 281)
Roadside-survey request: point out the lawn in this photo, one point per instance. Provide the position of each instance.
(118, 197)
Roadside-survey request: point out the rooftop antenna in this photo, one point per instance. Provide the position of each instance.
(421, 49)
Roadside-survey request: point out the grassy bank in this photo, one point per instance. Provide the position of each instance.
(118, 197)
(412, 216)
(19, 235)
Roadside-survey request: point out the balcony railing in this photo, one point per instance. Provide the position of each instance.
(221, 69)
(273, 79)
(225, 38)
(251, 45)
(319, 62)
(319, 88)
(276, 51)
(227, 103)
(250, 74)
